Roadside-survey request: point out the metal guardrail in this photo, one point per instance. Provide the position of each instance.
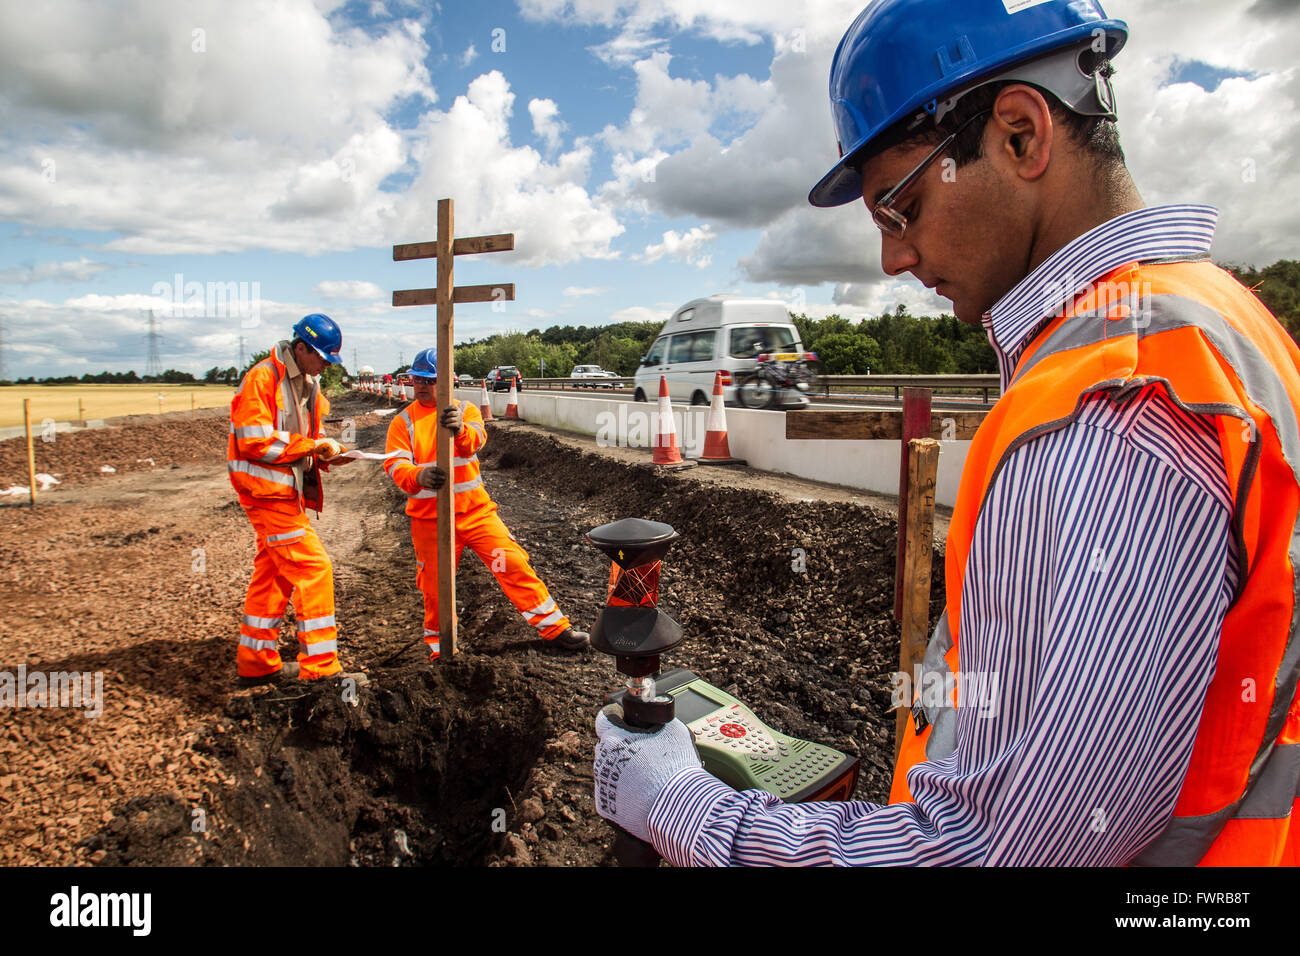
(578, 383)
(940, 384)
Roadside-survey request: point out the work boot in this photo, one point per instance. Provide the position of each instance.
(571, 640)
(288, 672)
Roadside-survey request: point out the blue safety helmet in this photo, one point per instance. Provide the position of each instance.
(915, 58)
(425, 365)
(321, 333)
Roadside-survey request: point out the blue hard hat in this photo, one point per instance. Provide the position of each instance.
(425, 365)
(321, 333)
(913, 58)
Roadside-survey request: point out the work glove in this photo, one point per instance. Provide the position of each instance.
(452, 418)
(633, 766)
(327, 448)
(430, 477)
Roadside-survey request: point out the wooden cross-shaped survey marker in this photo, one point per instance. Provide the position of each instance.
(445, 249)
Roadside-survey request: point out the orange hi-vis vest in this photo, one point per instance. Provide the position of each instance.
(267, 443)
(412, 433)
(1193, 330)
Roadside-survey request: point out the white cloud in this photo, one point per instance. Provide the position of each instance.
(469, 56)
(82, 270)
(546, 123)
(574, 292)
(638, 313)
(466, 152)
(669, 110)
(349, 289)
(93, 135)
(808, 246)
(686, 246)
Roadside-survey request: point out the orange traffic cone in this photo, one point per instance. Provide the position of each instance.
(484, 403)
(512, 403)
(716, 449)
(666, 450)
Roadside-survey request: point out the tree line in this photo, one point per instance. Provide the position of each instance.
(893, 343)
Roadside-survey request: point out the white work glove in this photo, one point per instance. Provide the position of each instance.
(633, 766)
(327, 448)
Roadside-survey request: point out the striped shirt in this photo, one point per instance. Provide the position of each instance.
(1100, 571)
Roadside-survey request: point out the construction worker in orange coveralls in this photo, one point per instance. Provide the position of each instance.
(275, 439)
(411, 434)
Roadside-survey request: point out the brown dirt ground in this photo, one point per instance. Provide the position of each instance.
(140, 575)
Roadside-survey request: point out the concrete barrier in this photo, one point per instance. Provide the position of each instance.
(758, 437)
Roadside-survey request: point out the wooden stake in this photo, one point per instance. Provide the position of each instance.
(922, 462)
(81, 413)
(916, 424)
(445, 438)
(191, 404)
(31, 453)
(445, 248)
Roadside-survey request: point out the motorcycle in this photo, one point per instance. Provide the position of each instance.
(775, 374)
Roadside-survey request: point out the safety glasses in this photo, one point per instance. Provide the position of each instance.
(888, 219)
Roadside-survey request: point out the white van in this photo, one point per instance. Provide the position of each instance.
(721, 333)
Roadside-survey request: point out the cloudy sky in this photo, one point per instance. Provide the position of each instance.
(234, 164)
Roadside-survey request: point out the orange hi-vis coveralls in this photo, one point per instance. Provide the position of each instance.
(274, 421)
(412, 433)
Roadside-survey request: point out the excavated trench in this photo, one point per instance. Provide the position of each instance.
(414, 771)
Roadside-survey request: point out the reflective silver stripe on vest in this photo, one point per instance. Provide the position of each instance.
(462, 462)
(320, 647)
(1185, 840)
(405, 416)
(257, 471)
(1278, 786)
(255, 644)
(287, 536)
(315, 623)
(942, 718)
(478, 427)
(429, 633)
(266, 623)
(457, 489)
(252, 431)
(465, 486)
(273, 452)
(400, 454)
(290, 404)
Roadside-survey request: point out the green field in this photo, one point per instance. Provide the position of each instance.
(59, 402)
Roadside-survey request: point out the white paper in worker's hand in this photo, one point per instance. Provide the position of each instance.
(372, 455)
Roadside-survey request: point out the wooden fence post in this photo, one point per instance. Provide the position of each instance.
(916, 424)
(923, 468)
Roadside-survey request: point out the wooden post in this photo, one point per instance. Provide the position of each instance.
(922, 461)
(445, 438)
(81, 413)
(916, 424)
(445, 249)
(31, 453)
(191, 404)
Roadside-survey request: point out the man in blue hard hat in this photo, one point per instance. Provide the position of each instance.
(415, 470)
(1119, 654)
(275, 453)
